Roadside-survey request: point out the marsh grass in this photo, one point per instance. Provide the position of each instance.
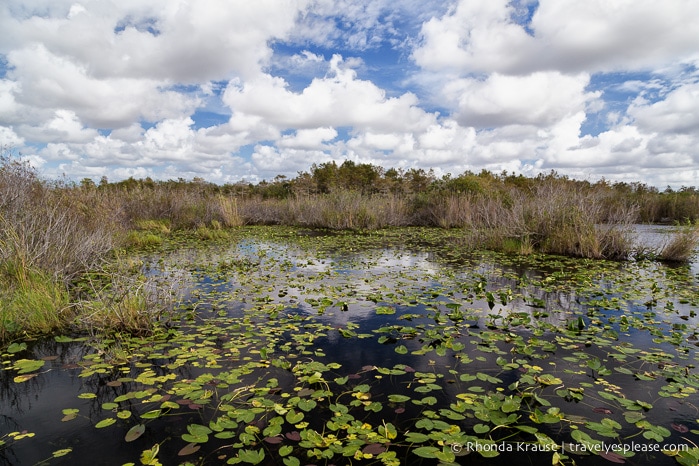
(228, 214)
(142, 239)
(31, 301)
(123, 301)
(214, 232)
(683, 244)
(160, 226)
(51, 233)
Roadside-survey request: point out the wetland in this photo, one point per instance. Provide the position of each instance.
(297, 346)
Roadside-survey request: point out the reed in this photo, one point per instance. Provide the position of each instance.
(117, 301)
(683, 245)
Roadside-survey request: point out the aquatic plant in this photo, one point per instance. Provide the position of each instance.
(293, 347)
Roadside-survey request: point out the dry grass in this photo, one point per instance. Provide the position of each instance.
(683, 245)
(125, 302)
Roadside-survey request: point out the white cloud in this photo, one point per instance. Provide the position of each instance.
(47, 81)
(63, 126)
(339, 99)
(9, 139)
(160, 39)
(131, 88)
(308, 138)
(540, 99)
(9, 109)
(268, 161)
(677, 113)
(481, 36)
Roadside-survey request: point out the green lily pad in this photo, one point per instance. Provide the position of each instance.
(135, 432)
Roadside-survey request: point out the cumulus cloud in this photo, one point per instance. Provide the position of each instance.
(339, 99)
(63, 126)
(677, 113)
(540, 99)
(483, 36)
(309, 138)
(173, 88)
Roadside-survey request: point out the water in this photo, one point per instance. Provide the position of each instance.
(269, 321)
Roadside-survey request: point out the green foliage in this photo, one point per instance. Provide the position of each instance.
(261, 385)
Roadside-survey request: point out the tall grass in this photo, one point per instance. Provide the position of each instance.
(53, 232)
(118, 300)
(31, 300)
(49, 235)
(683, 245)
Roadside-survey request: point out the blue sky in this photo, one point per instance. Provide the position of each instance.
(238, 90)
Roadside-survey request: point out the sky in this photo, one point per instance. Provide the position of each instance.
(230, 90)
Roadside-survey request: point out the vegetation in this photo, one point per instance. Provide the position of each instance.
(386, 348)
(244, 335)
(55, 231)
(682, 245)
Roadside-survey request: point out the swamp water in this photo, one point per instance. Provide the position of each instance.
(388, 348)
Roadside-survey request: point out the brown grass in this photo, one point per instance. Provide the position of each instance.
(683, 245)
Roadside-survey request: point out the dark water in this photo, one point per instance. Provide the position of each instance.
(420, 286)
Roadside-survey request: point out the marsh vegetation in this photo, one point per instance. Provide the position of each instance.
(388, 347)
(350, 315)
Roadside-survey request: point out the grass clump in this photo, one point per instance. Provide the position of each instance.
(683, 244)
(214, 232)
(160, 226)
(142, 239)
(31, 301)
(124, 302)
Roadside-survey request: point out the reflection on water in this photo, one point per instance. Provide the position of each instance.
(493, 308)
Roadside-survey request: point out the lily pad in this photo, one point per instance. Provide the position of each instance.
(135, 432)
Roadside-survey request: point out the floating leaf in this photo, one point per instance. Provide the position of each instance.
(150, 457)
(481, 428)
(153, 414)
(16, 347)
(62, 452)
(23, 378)
(426, 452)
(69, 414)
(293, 417)
(105, 422)
(306, 405)
(374, 449)
(252, 456)
(24, 366)
(612, 457)
(135, 432)
(189, 449)
(197, 434)
(291, 461)
(305, 392)
(602, 410)
(681, 428)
